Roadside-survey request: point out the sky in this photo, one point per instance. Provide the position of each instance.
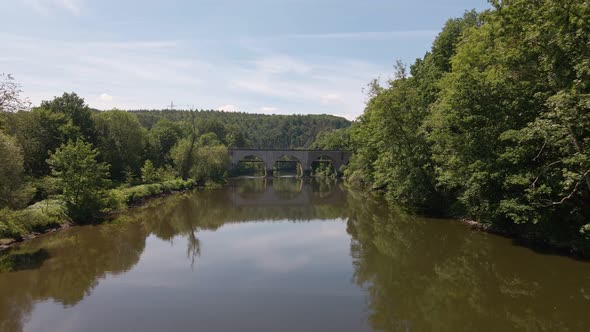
(257, 56)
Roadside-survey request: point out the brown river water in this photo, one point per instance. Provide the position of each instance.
(286, 254)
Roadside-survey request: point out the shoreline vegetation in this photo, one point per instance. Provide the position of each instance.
(50, 215)
(70, 164)
(492, 124)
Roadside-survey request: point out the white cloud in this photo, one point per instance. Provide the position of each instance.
(374, 35)
(331, 99)
(228, 108)
(46, 7)
(281, 65)
(73, 6)
(106, 97)
(150, 73)
(268, 110)
(329, 85)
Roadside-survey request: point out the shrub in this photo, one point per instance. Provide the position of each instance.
(137, 193)
(35, 218)
(149, 173)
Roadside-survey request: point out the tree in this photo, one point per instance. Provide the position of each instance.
(337, 139)
(205, 159)
(183, 155)
(211, 159)
(39, 133)
(149, 173)
(11, 169)
(188, 150)
(121, 141)
(161, 139)
(82, 178)
(511, 124)
(75, 109)
(390, 139)
(10, 91)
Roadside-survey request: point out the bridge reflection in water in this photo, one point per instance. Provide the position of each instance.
(288, 191)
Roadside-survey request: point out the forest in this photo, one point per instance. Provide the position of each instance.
(65, 162)
(491, 125)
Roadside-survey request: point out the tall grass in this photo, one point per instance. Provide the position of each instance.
(43, 215)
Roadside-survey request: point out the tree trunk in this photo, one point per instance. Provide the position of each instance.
(579, 149)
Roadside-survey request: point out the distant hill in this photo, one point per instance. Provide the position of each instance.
(252, 130)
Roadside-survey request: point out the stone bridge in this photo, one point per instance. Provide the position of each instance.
(305, 157)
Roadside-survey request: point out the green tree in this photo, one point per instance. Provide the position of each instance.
(211, 165)
(205, 160)
(390, 139)
(74, 107)
(82, 178)
(511, 124)
(161, 139)
(149, 173)
(11, 169)
(337, 139)
(40, 132)
(183, 155)
(121, 141)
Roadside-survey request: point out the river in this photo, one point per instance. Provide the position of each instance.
(286, 254)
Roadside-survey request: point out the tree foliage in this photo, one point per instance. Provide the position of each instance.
(10, 90)
(76, 111)
(493, 123)
(82, 177)
(11, 169)
(121, 141)
(247, 130)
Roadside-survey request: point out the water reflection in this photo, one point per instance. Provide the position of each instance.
(77, 259)
(324, 258)
(66, 266)
(427, 275)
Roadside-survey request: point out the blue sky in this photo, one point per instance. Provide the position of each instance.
(259, 56)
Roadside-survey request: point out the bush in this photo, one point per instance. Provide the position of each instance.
(116, 200)
(46, 187)
(35, 218)
(135, 194)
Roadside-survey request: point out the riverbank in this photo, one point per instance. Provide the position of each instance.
(541, 237)
(50, 215)
(522, 236)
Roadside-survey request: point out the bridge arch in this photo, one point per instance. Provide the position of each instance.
(250, 165)
(286, 158)
(325, 164)
(305, 157)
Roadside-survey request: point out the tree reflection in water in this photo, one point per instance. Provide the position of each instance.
(419, 274)
(66, 266)
(427, 275)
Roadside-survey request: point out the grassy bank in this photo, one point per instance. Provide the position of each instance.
(40, 217)
(51, 214)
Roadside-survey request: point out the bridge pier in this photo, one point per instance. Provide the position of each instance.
(268, 172)
(306, 172)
